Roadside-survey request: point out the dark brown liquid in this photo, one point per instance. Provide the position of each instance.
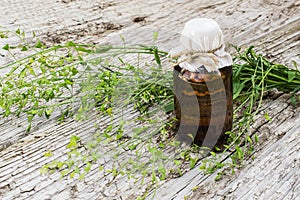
(199, 95)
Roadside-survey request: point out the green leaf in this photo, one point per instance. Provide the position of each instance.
(193, 162)
(132, 147)
(88, 167)
(101, 168)
(109, 111)
(31, 71)
(72, 174)
(70, 44)
(24, 48)
(162, 172)
(155, 36)
(6, 47)
(291, 76)
(239, 152)
(69, 163)
(191, 136)
(28, 127)
(249, 139)
(44, 170)
(81, 177)
(256, 138)
(3, 35)
(18, 31)
(219, 165)
(122, 38)
(156, 56)
(48, 112)
(237, 88)
(217, 149)
(77, 170)
(69, 81)
(102, 49)
(74, 71)
(53, 164)
(139, 130)
(154, 179)
(266, 115)
(64, 172)
(219, 176)
(84, 50)
(48, 153)
(39, 44)
(119, 136)
(202, 167)
(72, 143)
(169, 107)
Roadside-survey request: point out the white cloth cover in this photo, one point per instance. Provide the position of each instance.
(201, 43)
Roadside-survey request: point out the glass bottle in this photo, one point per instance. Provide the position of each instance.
(187, 86)
(203, 86)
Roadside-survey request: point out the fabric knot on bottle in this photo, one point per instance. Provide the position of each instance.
(201, 44)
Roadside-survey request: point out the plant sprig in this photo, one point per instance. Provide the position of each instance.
(253, 75)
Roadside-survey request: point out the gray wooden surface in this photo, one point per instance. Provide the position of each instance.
(272, 26)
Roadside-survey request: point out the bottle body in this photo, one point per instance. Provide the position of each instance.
(203, 105)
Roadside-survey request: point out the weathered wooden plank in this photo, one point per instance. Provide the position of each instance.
(271, 25)
(275, 172)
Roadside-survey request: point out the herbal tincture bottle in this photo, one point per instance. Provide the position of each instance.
(203, 85)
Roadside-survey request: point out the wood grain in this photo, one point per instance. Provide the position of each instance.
(272, 26)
